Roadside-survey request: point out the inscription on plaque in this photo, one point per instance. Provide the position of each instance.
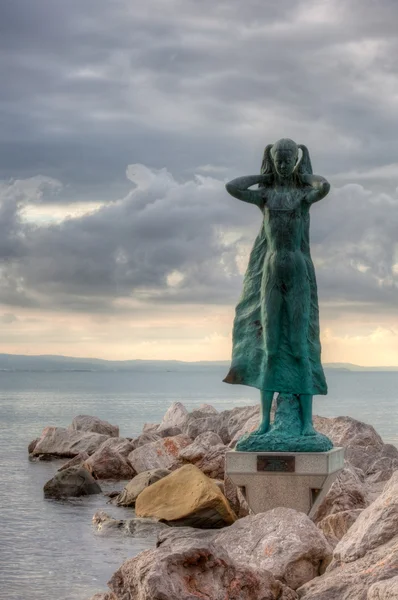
(277, 464)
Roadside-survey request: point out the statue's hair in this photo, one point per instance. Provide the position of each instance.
(303, 165)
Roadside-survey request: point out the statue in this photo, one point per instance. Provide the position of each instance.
(276, 345)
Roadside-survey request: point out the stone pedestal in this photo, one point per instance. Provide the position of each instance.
(298, 480)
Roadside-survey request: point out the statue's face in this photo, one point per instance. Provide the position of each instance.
(284, 161)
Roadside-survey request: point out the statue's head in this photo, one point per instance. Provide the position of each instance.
(284, 155)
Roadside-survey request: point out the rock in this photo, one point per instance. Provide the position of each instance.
(120, 445)
(170, 431)
(106, 463)
(150, 427)
(353, 580)
(32, 445)
(248, 427)
(94, 424)
(375, 526)
(236, 498)
(207, 452)
(207, 408)
(161, 454)
(132, 490)
(66, 443)
(193, 571)
(384, 590)
(196, 427)
(347, 493)
(185, 497)
(239, 418)
(173, 418)
(72, 482)
(382, 469)
(335, 526)
(282, 540)
(366, 555)
(77, 461)
(139, 528)
(348, 432)
(145, 438)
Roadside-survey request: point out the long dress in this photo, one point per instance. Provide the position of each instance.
(251, 364)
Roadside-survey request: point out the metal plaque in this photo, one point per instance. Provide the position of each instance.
(276, 464)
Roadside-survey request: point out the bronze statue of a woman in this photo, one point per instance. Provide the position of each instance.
(276, 346)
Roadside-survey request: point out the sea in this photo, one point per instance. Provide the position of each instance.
(49, 550)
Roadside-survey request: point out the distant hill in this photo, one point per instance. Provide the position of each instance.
(46, 363)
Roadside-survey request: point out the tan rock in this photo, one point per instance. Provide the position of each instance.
(186, 497)
(66, 443)
(134, 488)
(161, 454)
(94, 424)
(188, 571)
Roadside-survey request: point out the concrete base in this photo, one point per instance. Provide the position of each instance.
(298, 480)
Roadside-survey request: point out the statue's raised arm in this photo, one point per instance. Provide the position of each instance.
(239, 188)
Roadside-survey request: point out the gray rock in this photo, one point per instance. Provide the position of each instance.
(145, 438)
(67, 443)
(382, 469)
(120, 445)
(32, 445)
(196, 427)
(348, 432)
(239, 417)
(150, 427)
(248, 427)
(347, 493)
(94, 424)
(72, 482)
(107, 463)
(282, 541)
(384, 590)
(207, 408)
(375, 526)
(173, 418)
(136, 527)
(161, 454)
(207, 452)
(130, 493)
(193, 570)
(77, 461)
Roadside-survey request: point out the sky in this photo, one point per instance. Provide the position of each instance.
(122, 121)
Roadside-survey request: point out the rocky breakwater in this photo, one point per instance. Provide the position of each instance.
(209, 545)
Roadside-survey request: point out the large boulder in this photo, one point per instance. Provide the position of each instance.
(198, 423)
(193, 571)
(367, 554)
(67, 443)
(283, 541)
(94, 424)
(185, 497)
(348, 492)
(161, 454)
(107, 463)
(145, 438)
(134, 488)
(72, 482)
(173, 420)
(120, 445)
(207, 452)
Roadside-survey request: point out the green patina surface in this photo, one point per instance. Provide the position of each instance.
(284, 435)
(276, 345)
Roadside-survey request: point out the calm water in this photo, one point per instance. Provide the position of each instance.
(48, 549)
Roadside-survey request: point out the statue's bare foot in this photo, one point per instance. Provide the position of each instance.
(308, 429)
(264, 427)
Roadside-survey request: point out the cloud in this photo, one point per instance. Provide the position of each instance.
(174, 243)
